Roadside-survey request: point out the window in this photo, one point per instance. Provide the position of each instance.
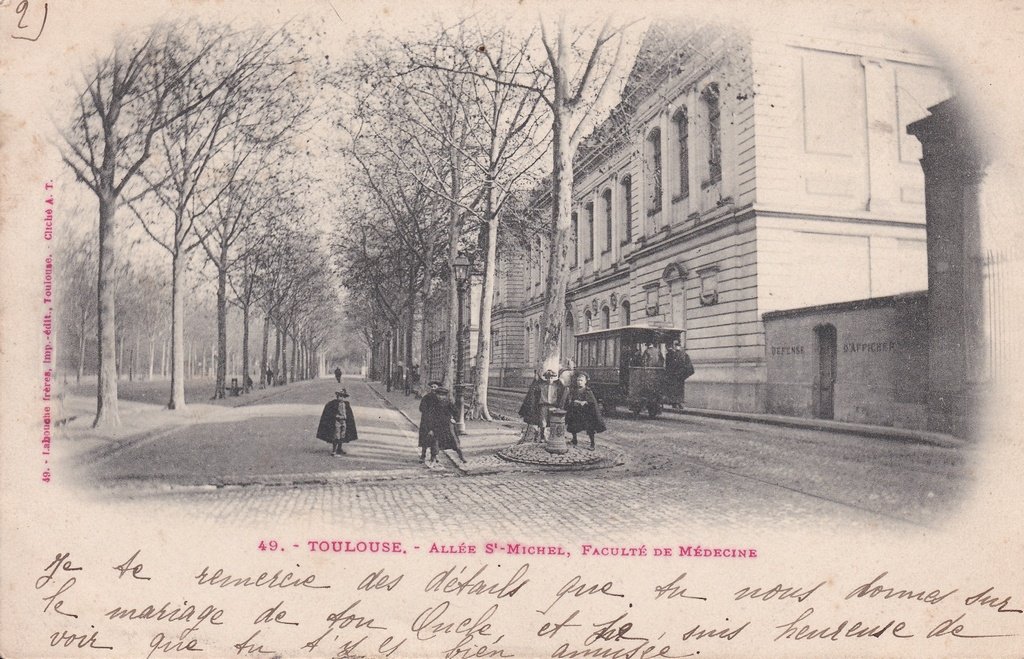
(627, 208)
(607, 196)
(625, 312)
(682, 139)
(590, 320)
(590, 231)
(539, 262)
(712, 109)
(606, 318)
(526, 347)
(575, 240)
(653, 163)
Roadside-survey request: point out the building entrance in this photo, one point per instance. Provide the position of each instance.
(824, 405)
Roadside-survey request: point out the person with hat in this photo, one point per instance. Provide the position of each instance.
(337, 423)
(582, 412)
(543, 396)
(437, 416)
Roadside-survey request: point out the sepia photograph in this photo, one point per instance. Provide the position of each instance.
(437, 291)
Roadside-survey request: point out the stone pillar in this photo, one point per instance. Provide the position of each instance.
(953, 168)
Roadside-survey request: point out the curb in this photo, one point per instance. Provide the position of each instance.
(884, 432)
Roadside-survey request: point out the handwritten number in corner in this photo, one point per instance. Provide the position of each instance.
(24, 23)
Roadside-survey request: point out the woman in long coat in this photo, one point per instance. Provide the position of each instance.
(337, 423)
(582, 413)
(437, 413)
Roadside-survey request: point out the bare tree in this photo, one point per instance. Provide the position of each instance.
(122, 105)
(185, 179)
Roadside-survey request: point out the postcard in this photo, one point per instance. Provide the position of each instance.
(482, 329)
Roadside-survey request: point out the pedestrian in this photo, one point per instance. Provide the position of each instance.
(337, 374)
(543, 396)
(679, 368)
(270, 378)
(652, 356)
(582, 413)
(427, 440)
(337, 423)
(437, 416)
(529, 411)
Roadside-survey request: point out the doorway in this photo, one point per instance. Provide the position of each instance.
(824, 405)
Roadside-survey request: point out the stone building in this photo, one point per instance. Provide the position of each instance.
(741, 174)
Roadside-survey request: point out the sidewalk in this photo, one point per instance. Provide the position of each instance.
(480, 443)
(140, 422)
(862, 429)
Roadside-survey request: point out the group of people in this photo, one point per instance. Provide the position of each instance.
(437, 418)
(551, 391)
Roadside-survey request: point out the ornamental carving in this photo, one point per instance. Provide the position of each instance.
(614, 299)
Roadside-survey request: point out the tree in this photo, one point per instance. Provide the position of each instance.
(122, 105)
(582, 71)
(190, 175)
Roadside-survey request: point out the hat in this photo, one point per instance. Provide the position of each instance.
(583, 374)
(441, 390)
(435, 383)
(343, 393)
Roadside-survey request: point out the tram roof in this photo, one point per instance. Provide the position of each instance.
(643, 330)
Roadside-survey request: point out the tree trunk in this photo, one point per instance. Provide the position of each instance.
(152, 356)
(277, 353)
(222, 325)
(454, 232)
(483, 353)
(107, 414)
(245, 348)
(81, 356)
(266, 341)
(177, 401)
(294, 356)
(558, 262)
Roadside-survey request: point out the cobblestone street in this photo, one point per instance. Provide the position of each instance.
(259, 463)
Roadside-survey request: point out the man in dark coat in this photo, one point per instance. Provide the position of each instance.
(582, 413)
(543, 396)
(337, 373)
(437, 414)
(679, 368)
(337, 423)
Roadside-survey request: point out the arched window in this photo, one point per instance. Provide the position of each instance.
(589, 320)
(606, 196)
(589, 208)
(682, 142)
(627, 208)
(606, 318)
(625, 312)
(653, 165)
(526, 347)
(713, 125)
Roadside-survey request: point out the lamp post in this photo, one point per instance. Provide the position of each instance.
(461, 271)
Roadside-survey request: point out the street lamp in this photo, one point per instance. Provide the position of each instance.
(461, 271)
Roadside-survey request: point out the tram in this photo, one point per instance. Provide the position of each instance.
(626, 366)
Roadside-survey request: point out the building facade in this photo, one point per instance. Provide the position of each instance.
(741, 174)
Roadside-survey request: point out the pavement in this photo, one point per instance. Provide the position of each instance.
(259, 462)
